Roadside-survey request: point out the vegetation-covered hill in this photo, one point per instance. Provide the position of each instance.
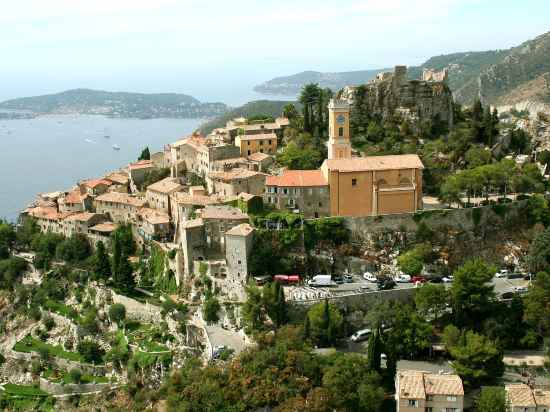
(116, 104)
(291, 85)
(272, 108)
(505, 76)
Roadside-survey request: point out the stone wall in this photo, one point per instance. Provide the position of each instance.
(485, 218)
(143, 312)
(72, 388)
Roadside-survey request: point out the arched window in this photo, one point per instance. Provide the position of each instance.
(340, 132)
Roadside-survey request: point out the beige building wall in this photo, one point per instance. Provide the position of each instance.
(250, 146)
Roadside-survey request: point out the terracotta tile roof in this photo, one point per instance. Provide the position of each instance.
(263, 136)
(542, 397)
(153, 216)
(165, 186)
(390, 162)
(92, 183)
(258, 156)
(118, 177)
(436, 384)
(240, 230)
(106, 227)
(122, 198)
(297, 178)
(222, 212)
(82, 216)
(192, 223)
(73, 197)
(520, 395)
(411, 385)
(196, 200)
(246, 196)
(41, 212)
(232, 161)
(142, 164)
(234, 174)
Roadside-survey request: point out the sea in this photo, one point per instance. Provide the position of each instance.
(52, 153)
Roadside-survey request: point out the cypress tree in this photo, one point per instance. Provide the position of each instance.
(374, 353)
(307, 328)
(281, 307)
(102, 268)
(326, 322)
(145, 154)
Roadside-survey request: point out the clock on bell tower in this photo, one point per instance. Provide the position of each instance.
(339, 145)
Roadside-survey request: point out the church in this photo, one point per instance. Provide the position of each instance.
(353, 186)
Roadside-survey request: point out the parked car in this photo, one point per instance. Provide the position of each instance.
(521, 289)
(262, 280)
(386, 284)
(402, 278)
(348, 278)
(287, 279)
(320, 280)
(436, 279)
(507, 295)
(338, 279)
(515, 275)
(502, 273)
(418, 279)
(361, 335)
(369, 277)
(448, 279)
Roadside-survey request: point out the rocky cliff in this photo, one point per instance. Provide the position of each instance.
(415, 100)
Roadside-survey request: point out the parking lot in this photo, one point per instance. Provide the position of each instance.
(359, 285)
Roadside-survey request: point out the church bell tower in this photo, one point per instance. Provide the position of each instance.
(339, 144)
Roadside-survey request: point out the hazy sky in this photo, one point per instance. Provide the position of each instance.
(177, 45)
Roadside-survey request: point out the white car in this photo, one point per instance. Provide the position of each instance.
(448, 279)
(369, 277)
(361, 335)
(521, 289)
(402, 278)
(502, 273)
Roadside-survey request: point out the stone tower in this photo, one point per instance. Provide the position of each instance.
(339, 144)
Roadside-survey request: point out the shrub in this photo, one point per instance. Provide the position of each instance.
(75, 375)
(90, 351)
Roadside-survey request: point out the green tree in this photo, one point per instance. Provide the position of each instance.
(7, 239)
(472, 292)
(145, 154)
(91, 351)
(326, 323)
(290, 111)
(309, 97)
(431, 298)
(117, 313)
(537, 303)
(476, 360)
(274, 303)
(210, 309)
(374, 350)
(410, 263)
(100, 263)
(252, 310)
(121, 268)
(539, 252)
(491, 399)
(353, 386)
(477, 156)
(76, 375)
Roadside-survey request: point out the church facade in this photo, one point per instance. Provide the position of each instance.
(347, 185)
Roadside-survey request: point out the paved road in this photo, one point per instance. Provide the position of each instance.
(219, 337)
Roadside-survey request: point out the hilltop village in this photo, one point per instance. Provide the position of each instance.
(380, 248)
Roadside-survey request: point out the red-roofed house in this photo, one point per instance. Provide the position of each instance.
(94, 187)
(303, 190)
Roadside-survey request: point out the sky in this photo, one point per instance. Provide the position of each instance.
(217, 49)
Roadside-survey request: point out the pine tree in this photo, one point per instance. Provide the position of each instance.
(145, 154)
(374, 353)
(307, 328)
(102, 267)
(326, 321)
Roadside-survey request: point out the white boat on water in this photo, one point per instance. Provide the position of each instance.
(116, 147)
(89, 141)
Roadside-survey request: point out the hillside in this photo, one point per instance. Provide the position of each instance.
(272, 108)
(116, 104)
(504, 76)
(291, 85)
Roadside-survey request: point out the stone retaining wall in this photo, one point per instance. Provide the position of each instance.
(484, 218)
(72, 388)
(135, 310)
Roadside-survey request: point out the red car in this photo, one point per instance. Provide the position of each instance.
(418, 279)
(287, 278)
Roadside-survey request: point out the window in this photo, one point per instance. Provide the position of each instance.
(269, 142)
(451, 398)
(354, 182)
(320, 204)
(248, 143)
(429, 409)
(456, 409)
(296, 191)
(249, 152)
(285, 191)
(429, 397)
(261, 150)
(291, 202)
(340, 132)
(261, 142)
(238, 262)
(413, 403)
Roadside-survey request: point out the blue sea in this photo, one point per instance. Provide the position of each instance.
(52, 153)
